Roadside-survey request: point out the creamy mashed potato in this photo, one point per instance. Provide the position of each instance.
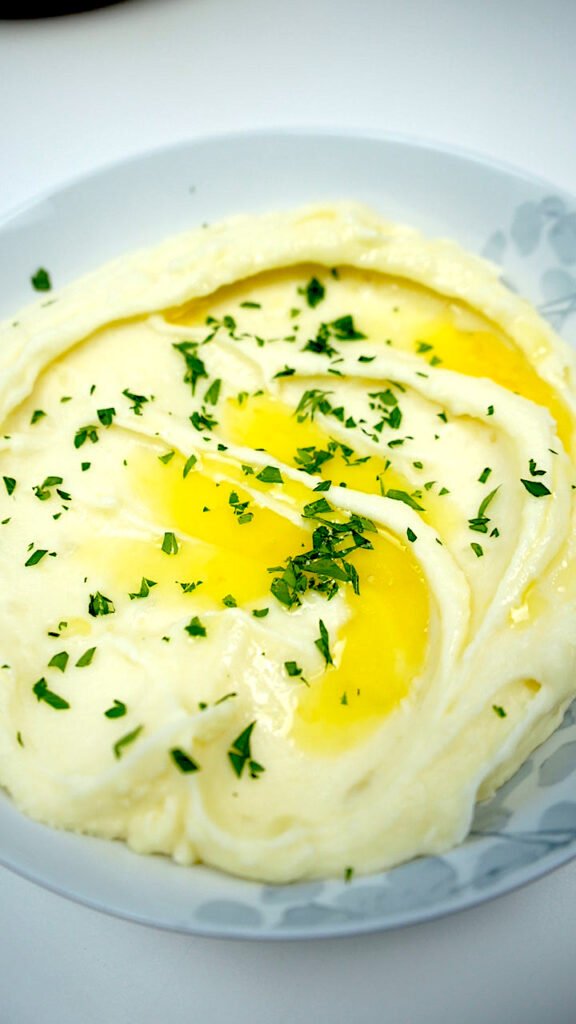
(286, 545)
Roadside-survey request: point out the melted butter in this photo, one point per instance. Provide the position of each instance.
(398, 312)
(230, 558)
(382, 652)
(261, 417)
(485, 354)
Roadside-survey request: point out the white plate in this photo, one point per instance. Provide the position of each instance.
(530, 825)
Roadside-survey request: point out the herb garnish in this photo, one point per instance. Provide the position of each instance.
(36, 556)
(86, 658)
(182, 761)
(145, 588)
(536, 488)
(498, 710)
(59, 661)
(195, 368)
(323, 644)
(100, 605)
(38, 414)
(41, 692)
(124, 741)
(41, 280)
(83, 434)
(189, 464)
(270, 475)
(43, 491)
(195, 627)
(106, 416)
(9, 483)
(314, 292)
(292, 668)
(118, 710)
(170, 543)
(137, 401)
(240, 754)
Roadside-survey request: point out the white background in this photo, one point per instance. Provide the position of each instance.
(494, 76)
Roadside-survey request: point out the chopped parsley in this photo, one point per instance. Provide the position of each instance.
(411, 535)
(59, 661)
(484, 475)
(260, 613)
(481, 520)
(137, 401)
(292, 668)
(189, 588)
(42, 693)
(314, 292)
(9, 483)
(100, 605)
(106, 416)
(195, 627)
(183, 762)
(38, 414)
(83, 434)
(36, 556)
(323, 644)
(41, 280)
(188, 465)
(165, 459)
(498, 710)
(229, 601)
(145, 588)
(170, 543)
(126, 740)
(213, 393)
(477, 549)
(270, 475)
(240, 754)
(195, 368)
(403, 496)
(118, 710)
(536, 488)
(86, 658)
(43, 491)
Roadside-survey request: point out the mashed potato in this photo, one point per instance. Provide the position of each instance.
(286, 545)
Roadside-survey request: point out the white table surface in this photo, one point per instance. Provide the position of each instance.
(494, 76)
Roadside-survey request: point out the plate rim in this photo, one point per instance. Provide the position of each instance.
(523, 876)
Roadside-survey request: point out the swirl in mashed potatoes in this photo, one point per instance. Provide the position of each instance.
(286, 545)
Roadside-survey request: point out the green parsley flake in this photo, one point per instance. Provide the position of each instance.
(292, 668)
(42, 693)
(323, 644)
(213, 393)
(167, 457)
(230, 601)
(41, 280)
(536, 488)
(106, 416)
(38, 414)
(270, 475)
(59, 661)
(260, 613)
(240, 754)
(170, 544)
(499, 711)
(86, 658)
(183, 762)
(188, 465)
(477, 549)
(397, 495)
(195, 627)
(484, 475)
(145, 588)
(100, 605)
(118, 710)
(36, 556)
(137, 401)
(411, 535)
(83, 434)
(126, 740)
(314, 292)
(9, 483)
